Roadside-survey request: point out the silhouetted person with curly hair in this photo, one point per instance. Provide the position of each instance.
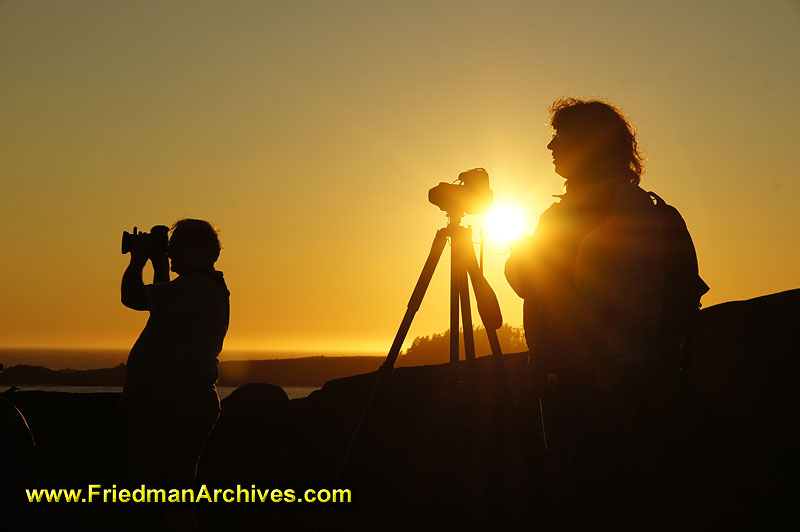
(591, 279)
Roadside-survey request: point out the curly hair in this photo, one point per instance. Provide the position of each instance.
(618, 150)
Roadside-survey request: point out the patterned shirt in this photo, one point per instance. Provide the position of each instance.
(172, 367)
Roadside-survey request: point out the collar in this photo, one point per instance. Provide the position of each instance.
(589, 196)
(215, 276)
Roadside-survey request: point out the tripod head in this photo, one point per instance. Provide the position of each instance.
(454, 219)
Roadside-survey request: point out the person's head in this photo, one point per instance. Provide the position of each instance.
(593, 142)
(193, 246)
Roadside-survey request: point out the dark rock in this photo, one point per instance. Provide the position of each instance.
(745, 356)
(15, 436)
(253, 398)
(26, 375)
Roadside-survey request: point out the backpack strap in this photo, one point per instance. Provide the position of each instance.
(659, 199)
(683, 286)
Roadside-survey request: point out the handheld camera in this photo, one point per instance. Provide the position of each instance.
(157, 239)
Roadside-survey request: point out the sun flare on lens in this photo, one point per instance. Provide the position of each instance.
(504, 223)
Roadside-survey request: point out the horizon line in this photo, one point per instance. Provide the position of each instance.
(224, 350)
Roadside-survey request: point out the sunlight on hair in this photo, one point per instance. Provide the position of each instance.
(504, 223)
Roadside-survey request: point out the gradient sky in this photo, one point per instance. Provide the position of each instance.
(310, 132)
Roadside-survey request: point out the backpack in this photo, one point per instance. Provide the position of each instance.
(683, 286)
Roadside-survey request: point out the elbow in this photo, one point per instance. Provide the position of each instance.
(126, 301)
(133, 303)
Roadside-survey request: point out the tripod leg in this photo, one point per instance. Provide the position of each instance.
(460, 246)
(488, 307)
(466, 316)
(416, 297)
(494, 342)
(413, 306)
(455, 291)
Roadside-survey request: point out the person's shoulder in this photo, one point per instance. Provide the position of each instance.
(192, 278)
(200, 276)
(629, 197)
(209, 282)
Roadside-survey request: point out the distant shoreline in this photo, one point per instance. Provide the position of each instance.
(293, 392)
(59, 358)
(305, 371)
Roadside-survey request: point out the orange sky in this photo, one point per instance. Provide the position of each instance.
(310, 132)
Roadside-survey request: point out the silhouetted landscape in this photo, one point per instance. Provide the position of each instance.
(310, 371)
(302, 371)
(721, 455)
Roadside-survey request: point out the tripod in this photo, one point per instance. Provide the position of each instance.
(463, 264)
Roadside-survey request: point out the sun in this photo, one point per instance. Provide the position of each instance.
(504, 223)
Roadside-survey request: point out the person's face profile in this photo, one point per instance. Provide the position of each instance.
(180, 255)
(566, 151)
(573, 151)
(174, 253)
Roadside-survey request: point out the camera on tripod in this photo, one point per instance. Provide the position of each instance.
(157, 240)
(471, 196)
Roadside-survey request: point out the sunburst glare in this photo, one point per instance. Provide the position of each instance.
(504, 223)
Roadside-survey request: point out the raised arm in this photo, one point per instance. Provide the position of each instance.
(133, 293)
(160, 269)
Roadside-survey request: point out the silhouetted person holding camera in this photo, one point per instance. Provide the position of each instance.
(170, 394)
(591, 276)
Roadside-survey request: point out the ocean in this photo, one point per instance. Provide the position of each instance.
(73, 358)
(294, 392)
(85, 359)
